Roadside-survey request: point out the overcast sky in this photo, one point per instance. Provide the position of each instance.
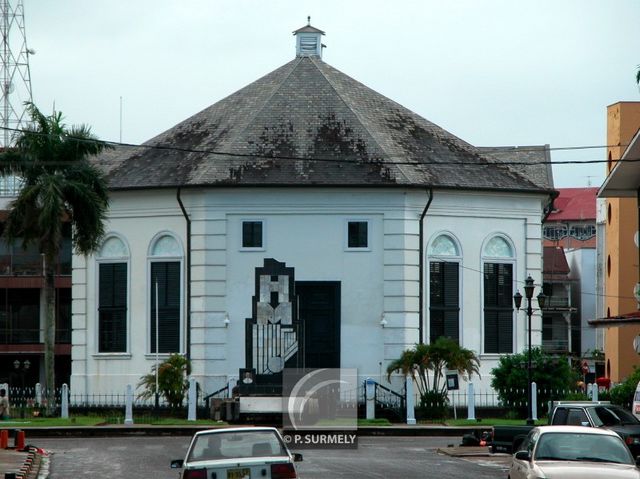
(492, 72)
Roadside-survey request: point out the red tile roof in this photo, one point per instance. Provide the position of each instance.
(574, 204)
(554, 263)
(621, 320)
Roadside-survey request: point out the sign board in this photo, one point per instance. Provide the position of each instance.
(452, 381)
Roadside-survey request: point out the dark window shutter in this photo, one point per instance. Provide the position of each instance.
(112, 308)
(505, 331)
(444, 300)
(167, 275)
(491, 331)
(498, 308)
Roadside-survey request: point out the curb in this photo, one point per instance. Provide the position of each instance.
(35, 464)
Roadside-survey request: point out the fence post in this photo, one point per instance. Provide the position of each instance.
(193, 399)
(128, 408)
(471, 403)
(64, 408)
(370, 399)
(411, 400)
(39, 394)
(534, 401)
(232, 382)
(594, 392)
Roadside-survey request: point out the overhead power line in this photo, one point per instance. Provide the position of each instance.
(383, 159)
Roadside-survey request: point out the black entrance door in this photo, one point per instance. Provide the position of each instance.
(319, 310)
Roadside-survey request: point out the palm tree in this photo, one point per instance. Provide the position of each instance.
(426, 364)
(59, 185)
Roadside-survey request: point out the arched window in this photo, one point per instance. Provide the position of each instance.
(498, 261)
(113, 292)
(498, 247)
(165, 308)
(444, 288)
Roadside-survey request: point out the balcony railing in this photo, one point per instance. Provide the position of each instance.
(31, 336)
(557, 302)
(29, 265)
(555, 345)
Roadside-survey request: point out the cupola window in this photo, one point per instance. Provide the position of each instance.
(308, 41)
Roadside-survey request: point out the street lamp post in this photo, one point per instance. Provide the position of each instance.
(21, 369)
(517, 300)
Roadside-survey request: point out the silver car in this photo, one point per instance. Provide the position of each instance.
(573, 452)
(238, 453)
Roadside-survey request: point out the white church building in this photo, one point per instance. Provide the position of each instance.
(304, 220)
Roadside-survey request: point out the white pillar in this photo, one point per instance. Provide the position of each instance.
(471, 403)
(128, 408)
(369, 394)
(534, 401)
(411, 401)
(39, 394)
(193, 399)
(594, 394)
(64, 408)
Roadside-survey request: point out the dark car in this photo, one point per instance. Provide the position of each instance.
(609, 416)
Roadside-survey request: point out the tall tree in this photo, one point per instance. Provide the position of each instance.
(59, 185)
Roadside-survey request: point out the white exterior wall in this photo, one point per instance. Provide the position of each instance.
(306, 229)
(582, 263)
(472, 219)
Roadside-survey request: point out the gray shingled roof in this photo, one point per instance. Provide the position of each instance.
(307, 123)
(533, 161)
(308, 29)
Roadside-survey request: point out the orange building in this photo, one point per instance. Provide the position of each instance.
(621, 255)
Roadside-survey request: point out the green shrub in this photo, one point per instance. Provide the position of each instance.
(622, 393)
(433, 405)
(553, 376)
(172, 380)
(575, 396)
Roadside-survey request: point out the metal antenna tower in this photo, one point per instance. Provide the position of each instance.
(15, 76)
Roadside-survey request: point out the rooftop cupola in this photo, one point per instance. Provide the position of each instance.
(308, 41)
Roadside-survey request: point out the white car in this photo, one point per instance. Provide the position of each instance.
(238, 453)
(573, 452)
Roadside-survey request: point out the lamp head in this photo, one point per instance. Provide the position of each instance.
(528, 287)
(542, 299)
(517, 299)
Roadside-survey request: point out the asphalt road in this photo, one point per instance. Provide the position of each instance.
(376, 457)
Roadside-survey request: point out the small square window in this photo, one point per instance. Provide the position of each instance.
(252, 234)
(358, 234)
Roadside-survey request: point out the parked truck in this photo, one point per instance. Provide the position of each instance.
(590, 414)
